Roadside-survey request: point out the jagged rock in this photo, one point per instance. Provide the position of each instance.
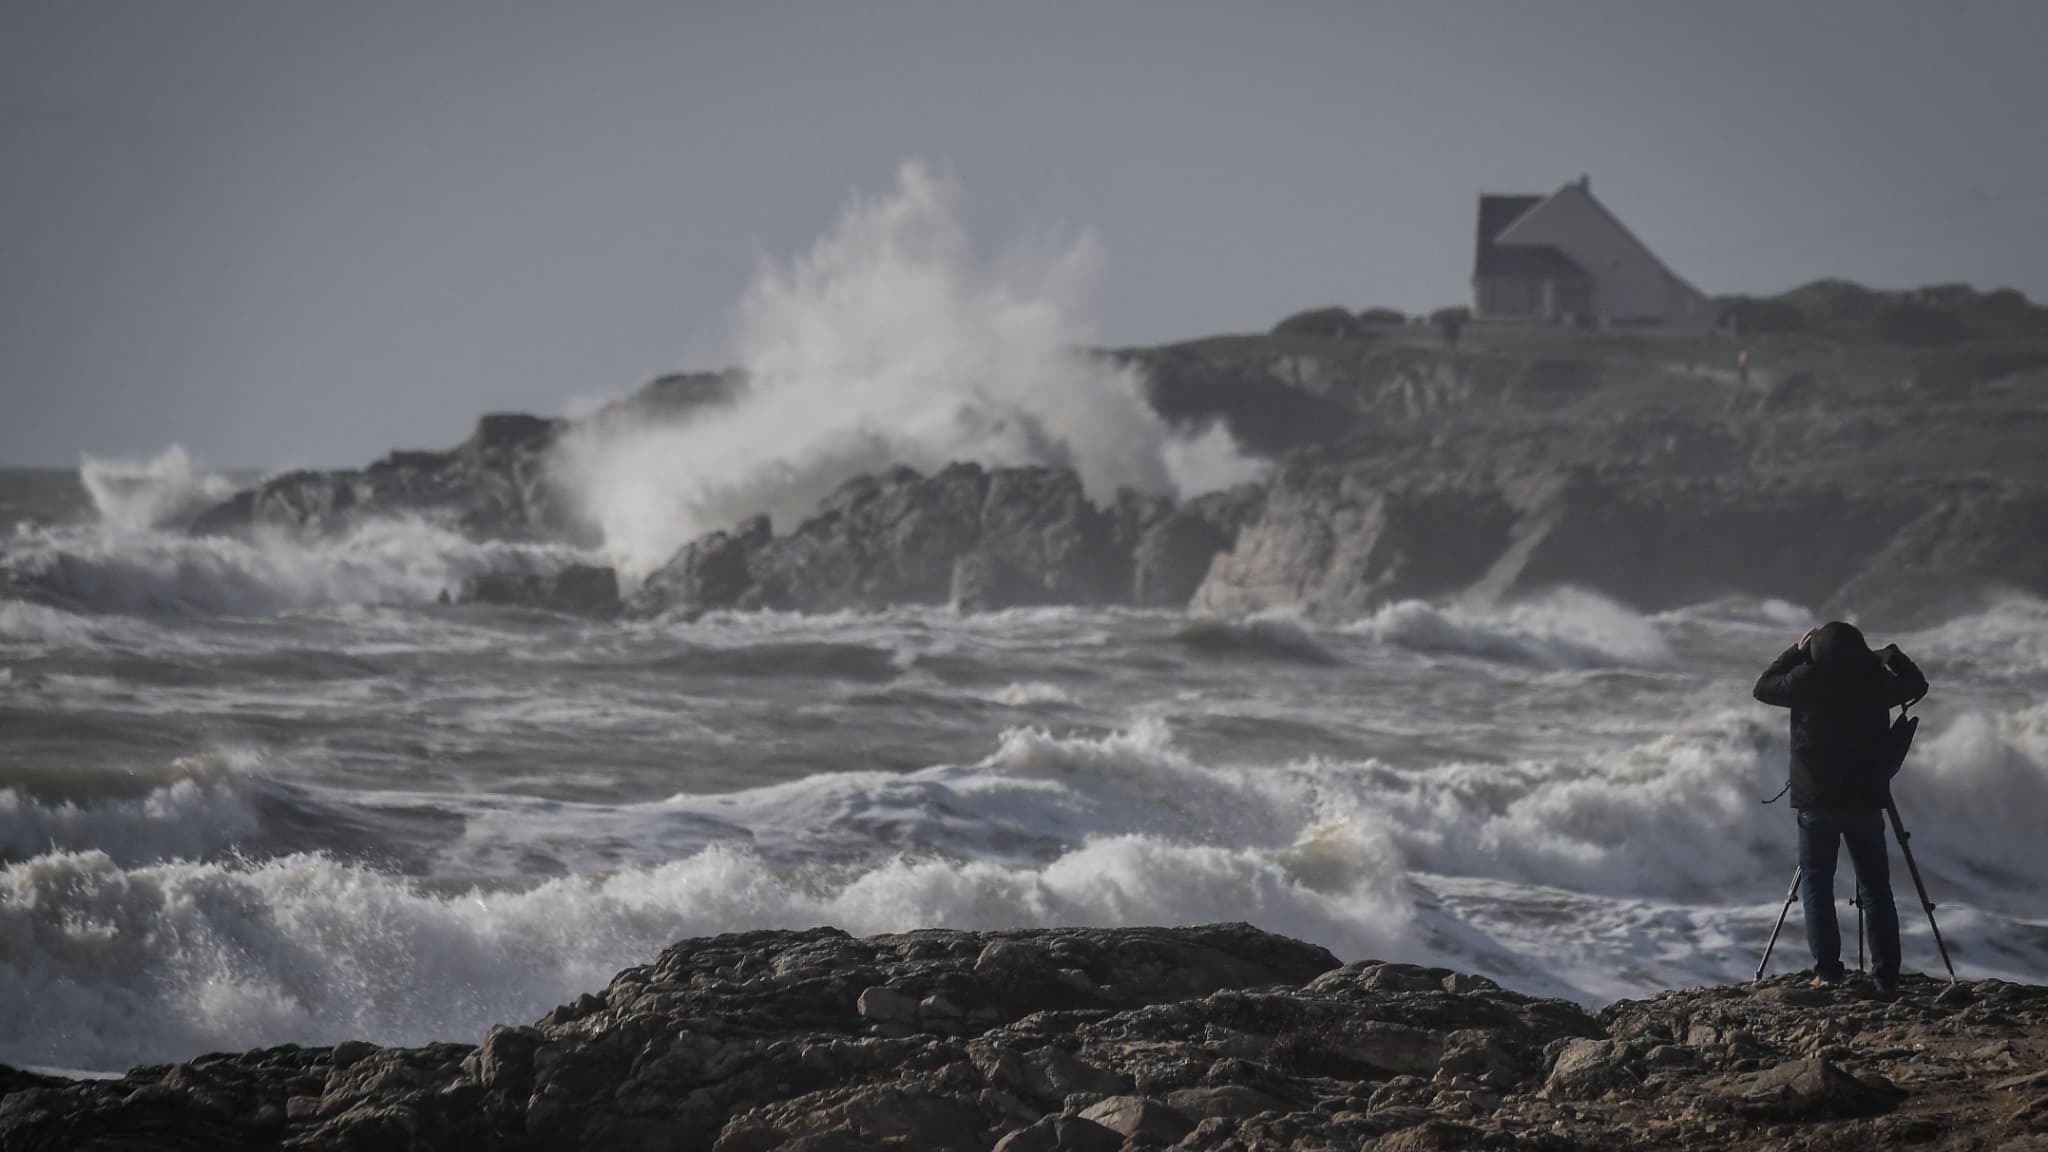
(1482, 1055)
(493, 485)
(1259, 392)
(1969, 545)
(577, 589)
(885, 1005)
(1038, 522)
(937, 1013)
(1140, 1119)
(1331, 543)
(710, 573)
(881, 1114)
(1050, 1075)
(1223, 1100)
(1394, 1047)
(1805, 1089)
(1339, 542)
(1432, 1135)
(1172, 558)
(982, 540)
(676, 396)
(987, 583)
(1588, 1070)
(1061, 1134)
(503, 1064)
(1010, 956)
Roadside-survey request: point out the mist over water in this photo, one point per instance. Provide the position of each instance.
(893, 341)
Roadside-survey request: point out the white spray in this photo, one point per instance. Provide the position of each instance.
(136, 495)
(890, 343)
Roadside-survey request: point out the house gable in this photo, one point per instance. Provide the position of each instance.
(1633, 285)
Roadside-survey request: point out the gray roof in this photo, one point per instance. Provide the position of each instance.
(1536, 261)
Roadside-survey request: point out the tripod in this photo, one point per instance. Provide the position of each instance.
(1899, 832)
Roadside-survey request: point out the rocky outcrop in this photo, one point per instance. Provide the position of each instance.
(493, 485)
(1213, 1038)
(1337, 544)
(1839, 468)
(979, 539)
(677, 395)
(1169, 547)
(1338, 541)
(1971, 543)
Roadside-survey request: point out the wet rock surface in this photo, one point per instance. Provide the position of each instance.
(1340, 539)
(1218, 1037)
(978, 539)
(494, 485)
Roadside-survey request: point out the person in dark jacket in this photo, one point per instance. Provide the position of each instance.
(1841, 695)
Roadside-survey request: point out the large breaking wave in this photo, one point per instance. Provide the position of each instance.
(891, 343)
(134, 556)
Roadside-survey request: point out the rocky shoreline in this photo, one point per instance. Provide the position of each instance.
(1216, 1037)
(1845, 468)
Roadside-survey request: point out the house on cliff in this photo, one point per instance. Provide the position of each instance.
(1564, 258)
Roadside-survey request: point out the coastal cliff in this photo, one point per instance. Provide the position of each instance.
(1840, 457)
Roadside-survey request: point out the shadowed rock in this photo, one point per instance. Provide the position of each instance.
(493, 485)
(576, 589)
(1220, 1037)
(979, 539)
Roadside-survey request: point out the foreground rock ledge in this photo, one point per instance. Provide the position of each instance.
(1218, 1037)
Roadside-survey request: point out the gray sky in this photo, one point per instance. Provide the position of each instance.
(305, 233)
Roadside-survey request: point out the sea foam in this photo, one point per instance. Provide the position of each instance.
(107, 568)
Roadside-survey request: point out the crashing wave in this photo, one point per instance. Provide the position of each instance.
(404, 561)
(889, 344)
(163, 491)
(160, 959)
(1567, 628)
(1281, 636)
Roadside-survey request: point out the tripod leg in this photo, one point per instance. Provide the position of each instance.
(1791, 894)
(1899, 831)
(1859, 927)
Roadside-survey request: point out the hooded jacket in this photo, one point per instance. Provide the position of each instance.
(1841, 695)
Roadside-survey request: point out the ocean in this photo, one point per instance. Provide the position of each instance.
(264, 792)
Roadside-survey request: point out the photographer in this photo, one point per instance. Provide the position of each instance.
(1841, 695)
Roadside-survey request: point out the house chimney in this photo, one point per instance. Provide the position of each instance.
(1585, 182)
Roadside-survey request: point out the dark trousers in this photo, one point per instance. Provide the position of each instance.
(1821, 832)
